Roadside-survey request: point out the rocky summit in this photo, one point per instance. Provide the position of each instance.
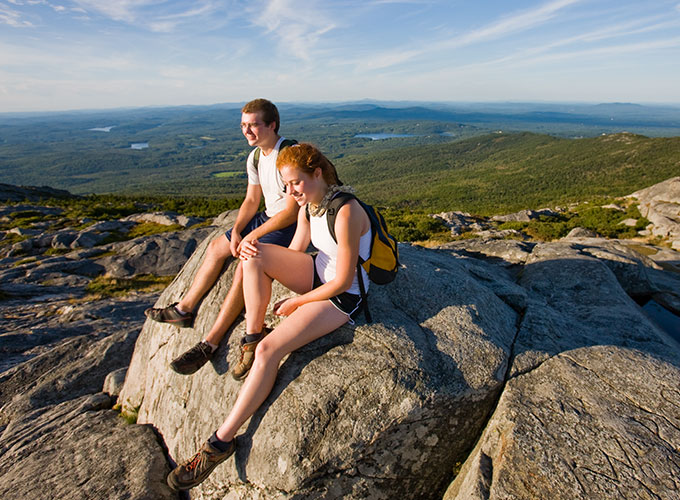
(493, 369)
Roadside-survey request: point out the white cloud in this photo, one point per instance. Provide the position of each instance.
(299, 33)
(513, 24)
(12, 17)
(118, 10)
(499, 29)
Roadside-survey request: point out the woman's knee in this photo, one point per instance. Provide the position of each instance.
(266, 352)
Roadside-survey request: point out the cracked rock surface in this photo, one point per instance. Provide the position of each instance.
(469, 341)
(368, 411)
(598, 422)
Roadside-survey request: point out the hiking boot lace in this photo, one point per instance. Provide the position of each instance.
(197, 460)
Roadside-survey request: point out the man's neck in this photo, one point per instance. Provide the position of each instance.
(269, 147)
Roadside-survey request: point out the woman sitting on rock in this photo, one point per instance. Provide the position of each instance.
(327, 284)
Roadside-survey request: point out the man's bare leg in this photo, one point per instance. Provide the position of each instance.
(215, 257)
(231, 307)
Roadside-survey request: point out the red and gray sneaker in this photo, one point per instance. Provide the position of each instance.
(195, 470)
(170, 315)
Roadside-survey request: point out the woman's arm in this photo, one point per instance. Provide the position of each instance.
(350, 224)
(302, 235)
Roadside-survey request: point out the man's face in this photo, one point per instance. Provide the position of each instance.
(255, 130)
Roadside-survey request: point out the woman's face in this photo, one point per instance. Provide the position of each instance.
(304, 188)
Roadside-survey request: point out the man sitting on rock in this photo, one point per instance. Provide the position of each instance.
(260, 126)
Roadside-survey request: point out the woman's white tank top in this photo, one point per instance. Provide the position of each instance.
(327, 258)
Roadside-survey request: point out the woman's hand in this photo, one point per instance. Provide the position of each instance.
(248, 249)
(286, 307)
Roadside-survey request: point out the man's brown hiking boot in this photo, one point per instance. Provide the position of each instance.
(248, 345)
(170, 315)
(193, 359)
(195, 470)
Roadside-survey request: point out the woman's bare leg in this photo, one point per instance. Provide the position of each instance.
(291, 268)
(307, 323)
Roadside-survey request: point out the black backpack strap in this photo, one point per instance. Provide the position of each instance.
(287, 142)
(284, 144)
(334, 207)
(364, 295)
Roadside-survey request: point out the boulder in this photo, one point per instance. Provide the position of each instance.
(660, 204)
(81, 451)
(590, 406)
(580, 232)
(161, 254)
(525, 215)
(112, 226)
(596, 422)
(165, 219)
(88, 239)
(22, 231)
(113, 382)
(9, 192)
(62, 240)
(76, 366)
(505, 252)
(368, 411)
(459, 222)
(575, 300)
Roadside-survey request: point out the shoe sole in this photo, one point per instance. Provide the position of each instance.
(182, 323)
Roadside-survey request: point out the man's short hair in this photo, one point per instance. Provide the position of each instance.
(266, 108)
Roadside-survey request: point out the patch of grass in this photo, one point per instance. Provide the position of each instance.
(27, 260)
(57, 251)
(105, 286)
(12, 238)
(128, 414)
(150, 228)
(110, 253)
(228, 175)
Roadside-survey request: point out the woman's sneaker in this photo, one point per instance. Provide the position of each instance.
(195, 470)
(171, 315)
(193, 359)
(248, 345)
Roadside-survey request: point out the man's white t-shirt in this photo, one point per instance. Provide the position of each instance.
(269, 179)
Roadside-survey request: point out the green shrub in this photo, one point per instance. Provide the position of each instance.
(104, 286)
(407, 226)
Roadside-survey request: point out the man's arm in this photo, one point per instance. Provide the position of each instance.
(246, 211)
(284, 218)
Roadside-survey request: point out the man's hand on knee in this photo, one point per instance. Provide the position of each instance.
(235, 243)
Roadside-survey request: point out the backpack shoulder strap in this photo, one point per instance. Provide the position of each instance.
(334, 207)
(287, 142)
(284, 144)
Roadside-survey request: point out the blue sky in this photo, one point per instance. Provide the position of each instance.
(75, 54)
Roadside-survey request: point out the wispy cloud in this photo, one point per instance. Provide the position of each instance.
(118, 10)
(515, 23)
(298, 33)
(12, 17)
